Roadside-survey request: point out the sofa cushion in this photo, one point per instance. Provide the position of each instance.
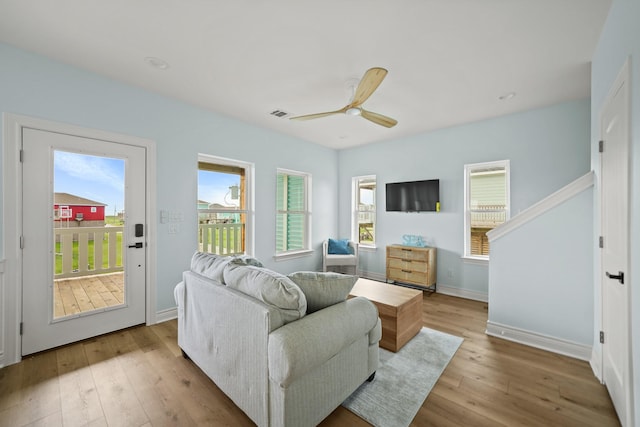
(245, 260)
(212, 265)
(339, 247)
(323, 289)
(272, 288)
(209, 265)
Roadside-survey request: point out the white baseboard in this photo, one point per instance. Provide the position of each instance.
(596, 363)
(373, 276)
(544, 342)
(462, 293)
(440, 289)
(168, 314)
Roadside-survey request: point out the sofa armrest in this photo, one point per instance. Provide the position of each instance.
(300, 346)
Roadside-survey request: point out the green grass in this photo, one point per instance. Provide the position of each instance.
(113, 220)
(91, 261)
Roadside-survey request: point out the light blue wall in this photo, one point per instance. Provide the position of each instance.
(35, 86)
(620, 39)
(542, 274)
(548, 148)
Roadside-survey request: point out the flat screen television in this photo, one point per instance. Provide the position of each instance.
(413, 196)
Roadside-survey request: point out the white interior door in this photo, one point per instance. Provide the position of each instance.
(615, 258)
(96, 250)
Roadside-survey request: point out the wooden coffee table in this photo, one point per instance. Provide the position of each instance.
(400, 310)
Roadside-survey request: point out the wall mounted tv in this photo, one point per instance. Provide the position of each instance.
(413, 196)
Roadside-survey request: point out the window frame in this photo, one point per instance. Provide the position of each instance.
(355, 210)
(307, 214)
(249, 182)
(468, 170)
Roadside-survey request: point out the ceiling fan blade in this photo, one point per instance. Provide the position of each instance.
(317, 115)
(369, 83)
(379, 119)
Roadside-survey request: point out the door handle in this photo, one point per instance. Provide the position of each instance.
(619, 276)
(137, 245)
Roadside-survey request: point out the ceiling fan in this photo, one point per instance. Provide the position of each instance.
(369, 83)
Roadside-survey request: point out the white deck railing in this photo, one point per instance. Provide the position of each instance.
(84, 251)
(221, 239)
(488, 216)
(89, 255)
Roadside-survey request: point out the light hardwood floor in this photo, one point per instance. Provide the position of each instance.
(137, 377)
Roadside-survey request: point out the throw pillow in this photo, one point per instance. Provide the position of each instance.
(209, 265)
(246, 260)
(212, 266)
(272, 288)
(339, 247)
(323, 289)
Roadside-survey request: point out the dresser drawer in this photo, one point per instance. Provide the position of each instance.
(408, 254)
(408, 264)
(412, 265)
(407, 276)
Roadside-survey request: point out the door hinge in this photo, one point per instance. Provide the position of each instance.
(601, 146)
(21, 156)
(601, 337)
(21, 242)
(601, 242)
(21, 328)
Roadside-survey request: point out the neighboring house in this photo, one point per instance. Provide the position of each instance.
(74, 211)
(204, 217)
(224, 217)
(207, 217)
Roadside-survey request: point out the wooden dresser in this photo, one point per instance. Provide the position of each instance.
(412, 265)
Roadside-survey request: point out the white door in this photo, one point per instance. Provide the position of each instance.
(67, 270)
(615, 231)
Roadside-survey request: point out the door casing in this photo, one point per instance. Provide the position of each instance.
(12, 214)
(621, 84)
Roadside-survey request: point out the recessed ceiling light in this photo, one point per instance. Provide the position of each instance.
(158, 63)
(507, 96)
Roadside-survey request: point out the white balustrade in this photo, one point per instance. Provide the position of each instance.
(80, 251)
(222, 239)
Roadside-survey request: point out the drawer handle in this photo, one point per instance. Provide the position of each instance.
(406, 260)
(406, 271)
(407, 250)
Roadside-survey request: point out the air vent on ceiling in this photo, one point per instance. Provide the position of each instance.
(280, 113)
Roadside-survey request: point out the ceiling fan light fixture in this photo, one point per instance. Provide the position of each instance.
(353, 111)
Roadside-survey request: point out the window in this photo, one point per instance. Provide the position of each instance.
(487, 204)
(363, 202)
(293, 212)
(224, 211)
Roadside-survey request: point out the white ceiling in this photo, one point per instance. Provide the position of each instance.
(449, 61)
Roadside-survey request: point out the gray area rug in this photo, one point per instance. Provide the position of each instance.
(403, 380)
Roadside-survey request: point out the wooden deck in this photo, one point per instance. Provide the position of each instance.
(87, 293)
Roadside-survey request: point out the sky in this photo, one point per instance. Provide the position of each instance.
(100, 179)
(213, 187)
